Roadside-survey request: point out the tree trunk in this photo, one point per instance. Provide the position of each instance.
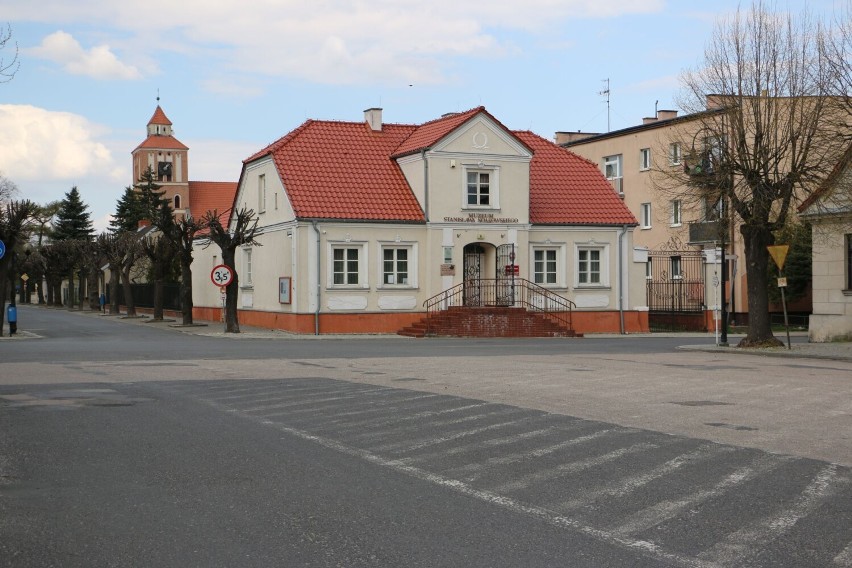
(40, 291)
(92, 286)
(158, 299)
(128, 293)
(232, 323)
(114, 277)
(4, 266)
(755, 240)
(186, 289)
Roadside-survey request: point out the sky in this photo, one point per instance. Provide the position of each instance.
(234, 76)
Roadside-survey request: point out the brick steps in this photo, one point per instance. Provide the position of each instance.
(487, 322)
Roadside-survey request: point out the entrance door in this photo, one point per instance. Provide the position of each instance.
(474, 257)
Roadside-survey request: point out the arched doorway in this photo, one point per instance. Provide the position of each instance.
(474, 265)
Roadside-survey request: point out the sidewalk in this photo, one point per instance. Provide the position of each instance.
(840, 351)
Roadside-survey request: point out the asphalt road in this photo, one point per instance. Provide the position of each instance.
(146, 447)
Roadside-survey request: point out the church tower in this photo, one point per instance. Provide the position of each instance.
(168, 159)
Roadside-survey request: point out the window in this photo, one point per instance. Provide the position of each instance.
(395, 266)
(612, 172)
(544, 266)
(645, 159)
(275, 199)
(674, 153)
(676, 268)
(345, 265)
(247, 266)
(849, 262)
(478, 188)
(589, 266)
(645, 213)
(713, 208)
(177, 202)
(676, 213)
(649, 273)
(261, 193)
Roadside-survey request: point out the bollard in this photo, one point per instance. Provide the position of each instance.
(12, 316)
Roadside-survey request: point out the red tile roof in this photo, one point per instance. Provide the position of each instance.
(216, 196)
(428, 134)
(344, 170)
(162, 142)
(566, 189)
(159, 117)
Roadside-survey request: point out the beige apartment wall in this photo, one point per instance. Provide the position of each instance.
(277, 208)
(832, 304)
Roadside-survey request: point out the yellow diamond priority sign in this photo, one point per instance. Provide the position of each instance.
(778, 254)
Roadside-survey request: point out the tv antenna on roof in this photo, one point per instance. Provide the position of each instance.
(605, 93)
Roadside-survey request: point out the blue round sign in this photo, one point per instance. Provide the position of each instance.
(2, 249)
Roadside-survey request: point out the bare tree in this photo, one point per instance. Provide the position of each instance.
(8, 189)
(766, 142)
(161, 254)
(182, 233)
(132, 252)
(241, 231)
(8, 68)
(15, 218)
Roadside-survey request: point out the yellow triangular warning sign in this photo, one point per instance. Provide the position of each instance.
(778, 254)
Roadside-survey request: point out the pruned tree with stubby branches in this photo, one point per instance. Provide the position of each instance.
(241, 231)
(765, 132)
(15, 218)
(181, 233)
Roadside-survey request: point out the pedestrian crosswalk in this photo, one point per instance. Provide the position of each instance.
(677, 501)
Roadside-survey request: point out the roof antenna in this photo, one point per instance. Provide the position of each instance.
(158, 95)
(605, 93)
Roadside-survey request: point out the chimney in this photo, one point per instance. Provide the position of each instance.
(666, 114)
(373, 117)
(649, 119)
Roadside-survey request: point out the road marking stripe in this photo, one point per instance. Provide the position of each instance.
(409, 447)
(646, 548)
(735, 547)
(477, 470)
(665, 510)
(569, 468)
(630, 484)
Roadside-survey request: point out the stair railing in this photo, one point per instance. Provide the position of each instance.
(517, 292)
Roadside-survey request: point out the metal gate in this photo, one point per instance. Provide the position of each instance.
(675, 290)
(506, 275)
(474, 256)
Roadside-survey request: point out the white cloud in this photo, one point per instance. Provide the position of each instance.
(98, 62)
(332, 42)
(40, 144)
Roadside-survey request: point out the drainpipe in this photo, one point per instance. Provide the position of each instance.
(319, 283)
(621, 277)
(425, 184)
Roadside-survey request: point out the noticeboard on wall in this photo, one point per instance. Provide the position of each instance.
(284, 288)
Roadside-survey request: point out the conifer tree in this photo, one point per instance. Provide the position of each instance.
(72, 220)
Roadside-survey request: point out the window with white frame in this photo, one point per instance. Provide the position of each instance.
(674, 153)
(590, 266)
(544, 265)
(713, 208)
(261, 193)
(395, 265)
(676, 268)
(247, 277)
(645, 159)
(612, 172)
(848, 263)
(676, 212)
(346, 265)
(479, 189)
(645, 214)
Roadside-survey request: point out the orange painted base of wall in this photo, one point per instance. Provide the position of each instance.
(584, 322)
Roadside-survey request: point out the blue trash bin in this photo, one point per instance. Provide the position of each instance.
(12, 317)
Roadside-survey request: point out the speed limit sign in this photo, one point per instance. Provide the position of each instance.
(222, 275)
